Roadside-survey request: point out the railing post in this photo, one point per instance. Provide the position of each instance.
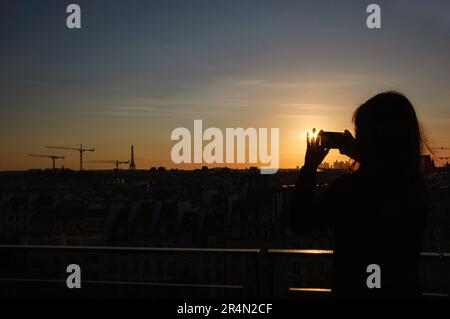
(263, 275)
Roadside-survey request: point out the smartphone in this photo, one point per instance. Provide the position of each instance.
(332, 139)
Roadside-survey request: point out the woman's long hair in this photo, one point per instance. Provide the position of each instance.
(389, 140)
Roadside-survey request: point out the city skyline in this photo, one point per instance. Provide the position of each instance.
(135, 72)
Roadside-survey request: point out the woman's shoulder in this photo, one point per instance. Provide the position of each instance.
(361, 181)
(346, 183)
(357, 182)
(350, 179)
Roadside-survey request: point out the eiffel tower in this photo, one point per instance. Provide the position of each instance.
(132, 164)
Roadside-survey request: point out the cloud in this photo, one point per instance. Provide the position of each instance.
(296, 107)
(300, 116)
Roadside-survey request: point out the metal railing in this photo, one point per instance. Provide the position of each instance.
(111, 271)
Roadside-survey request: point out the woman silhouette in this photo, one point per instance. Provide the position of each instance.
(378, 212)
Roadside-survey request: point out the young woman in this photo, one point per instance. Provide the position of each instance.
(378, 212)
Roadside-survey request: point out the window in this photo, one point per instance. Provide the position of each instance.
(87, 225)
(212, 240)
(235, 270)
(298, 268)
(171, 268)
(159, 268)
(74, 227)
(288, 232)
(285, 268)
(93, 224)
(309, 268)
(58, 227)
(218, 276)
(186, 236)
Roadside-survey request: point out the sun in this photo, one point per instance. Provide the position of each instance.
(312, 134)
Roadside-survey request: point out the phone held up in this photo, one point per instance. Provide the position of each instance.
(332, 139)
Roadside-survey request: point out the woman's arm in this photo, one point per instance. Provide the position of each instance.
(307, 212)
(311, 212)
(302, 201)
(303, 212)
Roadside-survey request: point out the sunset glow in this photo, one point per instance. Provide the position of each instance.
(94, 88)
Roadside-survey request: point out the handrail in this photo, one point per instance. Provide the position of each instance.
(302, 251)
(124, 283)
(192, 249)
(120, 248)
(259, 253)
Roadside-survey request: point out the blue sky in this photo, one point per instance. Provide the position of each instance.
(138, 69)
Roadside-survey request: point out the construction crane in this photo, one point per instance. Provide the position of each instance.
(445, 158)
(132, 164)
(440, 148)
(52, 157)
(117, 163)
(80, 149)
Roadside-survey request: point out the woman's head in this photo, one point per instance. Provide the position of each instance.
(388, 134)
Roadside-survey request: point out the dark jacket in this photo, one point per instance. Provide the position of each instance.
(376, 220)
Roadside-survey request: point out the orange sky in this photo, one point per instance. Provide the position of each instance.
(134, 73)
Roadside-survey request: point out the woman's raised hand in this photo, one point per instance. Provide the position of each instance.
(349, 146)
(315, 153)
